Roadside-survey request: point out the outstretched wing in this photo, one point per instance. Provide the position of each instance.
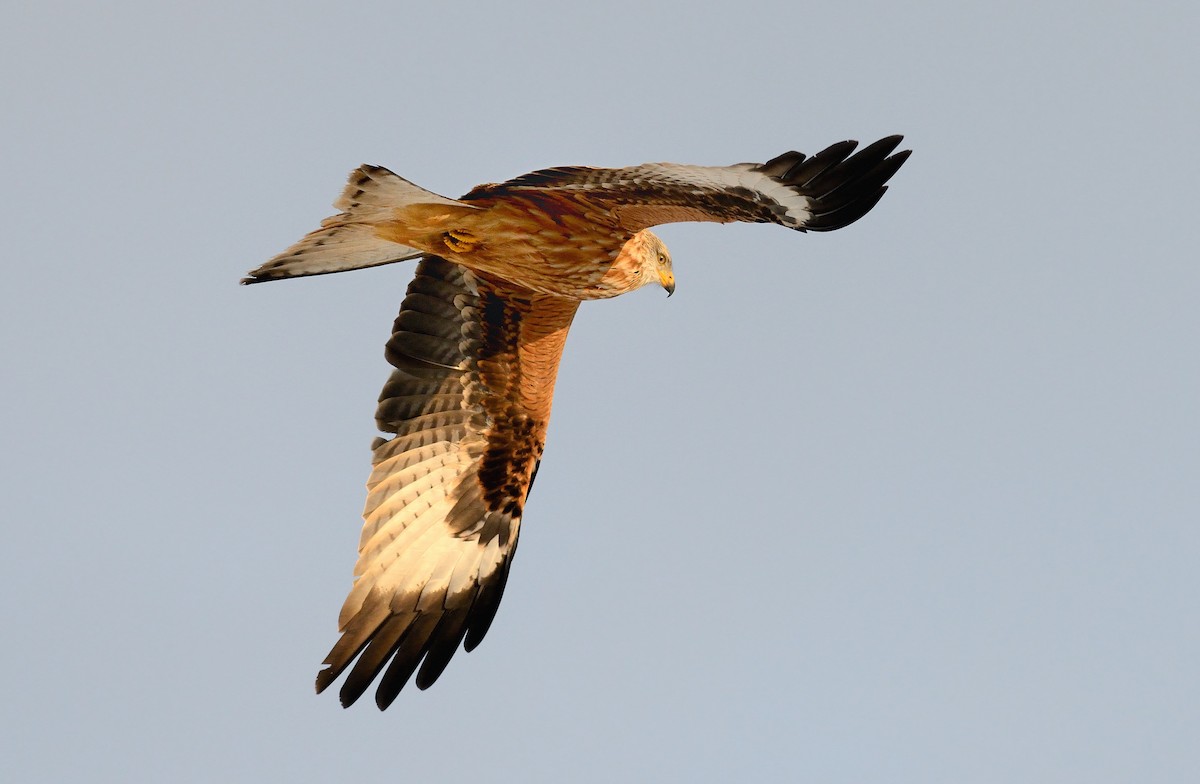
(468, 404)
(830, 190)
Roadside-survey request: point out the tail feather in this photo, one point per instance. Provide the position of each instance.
(335, 248)
(351, 239)
(374, 189)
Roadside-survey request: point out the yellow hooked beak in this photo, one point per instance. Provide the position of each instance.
(667, 278)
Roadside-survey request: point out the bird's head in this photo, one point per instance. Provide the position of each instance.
(662, 262)
(655, 261)
(643, 261)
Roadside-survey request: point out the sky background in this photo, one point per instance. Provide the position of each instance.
(913, 501)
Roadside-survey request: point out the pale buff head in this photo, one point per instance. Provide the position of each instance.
(644, 260)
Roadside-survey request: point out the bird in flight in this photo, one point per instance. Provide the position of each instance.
(475, 351)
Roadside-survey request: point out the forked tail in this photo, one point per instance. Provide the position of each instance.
(351, 240)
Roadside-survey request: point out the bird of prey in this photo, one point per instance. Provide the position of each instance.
(475, 351)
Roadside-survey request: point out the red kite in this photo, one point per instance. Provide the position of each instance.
(476, 349)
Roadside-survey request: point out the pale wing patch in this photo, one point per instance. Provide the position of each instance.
(795, 205)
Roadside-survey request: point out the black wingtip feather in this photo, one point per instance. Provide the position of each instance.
(386, 642)
(407, 656)
(486, 604)
(806, 171)
(780, 164)
(841, 218)
(407, 642)
(443, 644)
(857, 167)
(844, 187)
(863, 183)
(355, 637)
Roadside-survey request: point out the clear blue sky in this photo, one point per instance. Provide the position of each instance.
(914, 501)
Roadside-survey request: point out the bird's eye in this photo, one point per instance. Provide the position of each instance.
(661, 258)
